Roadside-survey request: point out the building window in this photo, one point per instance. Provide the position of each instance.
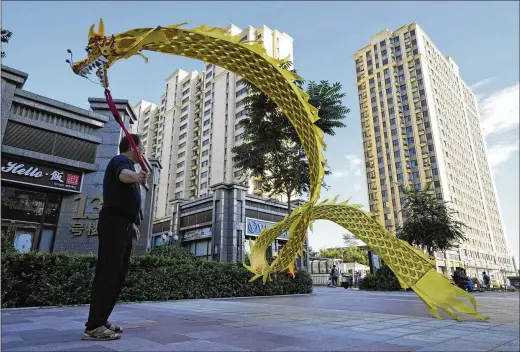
(183, 127)
(240, 92)
(182, 136)
(205, 142)
(382, 171)
(205, 153)
(204, 163)
(179, 184)
(181, 164)
(410, 140)
(206, 132)
(206, 123)
(180, 174)
(182, 145)
(239, 137)
(204, 174)
(204, 185)
(181, 155)
(241, 113)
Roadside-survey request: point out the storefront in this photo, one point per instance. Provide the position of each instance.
(253, 229)
(198, 241)
(53, 161)
(32, 194)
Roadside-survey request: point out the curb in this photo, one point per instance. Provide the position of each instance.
(175, 300)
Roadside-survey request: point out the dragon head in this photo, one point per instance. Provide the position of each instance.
(99, 51)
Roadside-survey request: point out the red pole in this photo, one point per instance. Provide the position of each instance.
(117, 116)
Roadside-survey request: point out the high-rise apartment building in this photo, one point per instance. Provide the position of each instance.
(420, 124)
(197, 124)
(149, 124)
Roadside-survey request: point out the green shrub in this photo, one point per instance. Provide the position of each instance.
(41, 279)
(383, 280)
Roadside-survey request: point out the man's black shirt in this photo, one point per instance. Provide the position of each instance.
(121, 198)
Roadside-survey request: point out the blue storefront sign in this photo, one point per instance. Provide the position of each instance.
(254, 227)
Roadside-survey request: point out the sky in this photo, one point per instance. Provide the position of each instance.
(482, 37)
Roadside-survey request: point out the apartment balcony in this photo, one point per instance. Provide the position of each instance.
(193, 176)
(193, 166)
(258, 192)
(257, 178)
(195, 156)
(422, 142)
(196, 136)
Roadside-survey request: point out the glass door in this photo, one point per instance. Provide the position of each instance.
(23, 239)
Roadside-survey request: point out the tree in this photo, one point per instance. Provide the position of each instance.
(348, 254)
(272, 149)
(312, 252)
(6, 35)
(350, 240)
(429, 223)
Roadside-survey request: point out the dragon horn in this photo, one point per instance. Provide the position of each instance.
(101, 28)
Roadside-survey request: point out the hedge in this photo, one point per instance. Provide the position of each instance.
(383, 280)
(41, 279)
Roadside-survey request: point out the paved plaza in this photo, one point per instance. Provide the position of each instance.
(328, 320)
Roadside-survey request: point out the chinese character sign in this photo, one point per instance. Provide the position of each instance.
(86, 217)
(40, 174)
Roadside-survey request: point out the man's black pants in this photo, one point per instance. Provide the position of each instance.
(115, 235)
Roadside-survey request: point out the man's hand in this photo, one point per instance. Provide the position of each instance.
(142, 176)
(128, 176)
(137, 235)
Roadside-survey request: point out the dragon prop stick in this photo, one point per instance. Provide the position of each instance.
(249, 59)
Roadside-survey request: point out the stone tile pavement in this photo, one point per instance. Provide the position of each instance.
(328, 320)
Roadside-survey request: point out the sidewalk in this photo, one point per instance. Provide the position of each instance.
(360, 321)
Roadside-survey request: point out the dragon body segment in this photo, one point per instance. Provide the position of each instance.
(250, 60)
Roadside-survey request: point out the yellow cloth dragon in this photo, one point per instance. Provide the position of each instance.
(249, 59)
